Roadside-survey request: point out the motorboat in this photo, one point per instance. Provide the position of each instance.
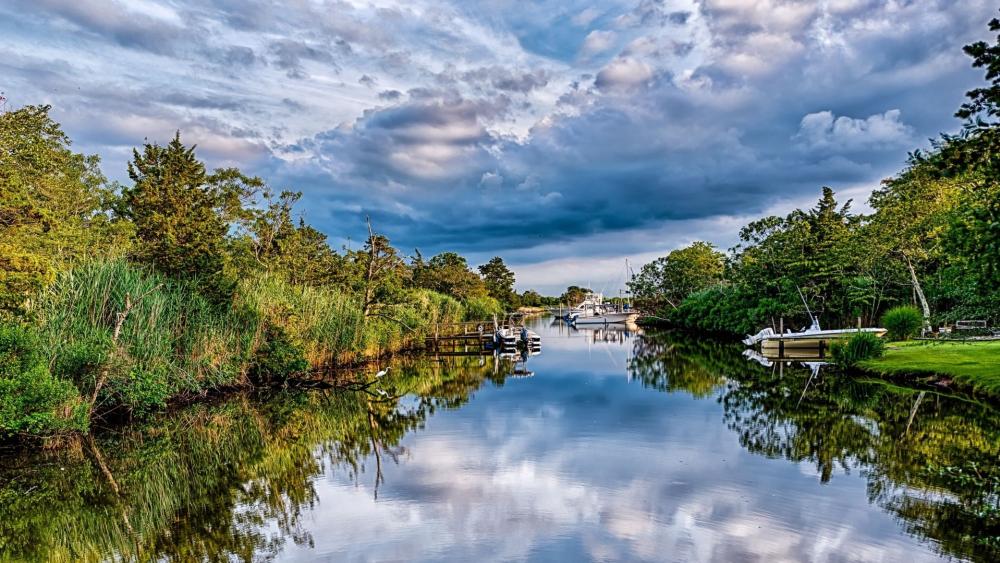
(593, 311)
(811, 337)
(530, 338)
(506, 337)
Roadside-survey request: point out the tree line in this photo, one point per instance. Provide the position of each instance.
(932, 240)
(116, 298)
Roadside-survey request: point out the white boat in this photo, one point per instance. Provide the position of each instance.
(593, 311)
(530, 338)
(604, 318)
(811, 337)
(506, 337)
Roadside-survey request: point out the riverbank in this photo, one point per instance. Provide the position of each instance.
(116, 340)
(973, 365)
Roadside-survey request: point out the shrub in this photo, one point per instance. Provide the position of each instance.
(902, 322)
(482, 308)
(32, 401)
(277, 358)
(862, 346)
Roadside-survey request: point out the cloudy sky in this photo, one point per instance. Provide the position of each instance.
(562, 135)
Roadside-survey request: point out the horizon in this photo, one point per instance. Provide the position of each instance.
(564, 137)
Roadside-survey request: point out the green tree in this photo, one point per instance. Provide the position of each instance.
(573, 295)
(670, 279)
(984, 101)
(449, 273)
(273, 241)
(52, 206)
(499, 280)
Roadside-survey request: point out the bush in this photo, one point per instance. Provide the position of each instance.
(902, 322)
(862, 346)
(482, 308)
(32, 401)
(277, 359)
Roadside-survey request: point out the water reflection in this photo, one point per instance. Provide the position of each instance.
(647, 447)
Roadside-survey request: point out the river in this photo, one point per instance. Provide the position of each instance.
(607, 446)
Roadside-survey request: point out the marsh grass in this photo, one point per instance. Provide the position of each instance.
(859, 347)
(173, 341)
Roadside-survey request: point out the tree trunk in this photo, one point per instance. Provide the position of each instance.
(119, 323)
(369, 278)
(920, 293)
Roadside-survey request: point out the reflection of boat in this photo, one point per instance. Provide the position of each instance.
(617, 333)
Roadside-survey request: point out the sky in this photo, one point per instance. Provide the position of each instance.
(564, 136)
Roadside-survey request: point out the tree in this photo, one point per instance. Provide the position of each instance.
(182, 214)
(499, 281)
(531, 298)
(670, 279)
(573, 296)
(53, 206)
(984, 100)
(449, 273)
(273, 241)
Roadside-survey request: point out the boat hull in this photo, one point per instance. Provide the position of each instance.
(814, 340)
(607, 318)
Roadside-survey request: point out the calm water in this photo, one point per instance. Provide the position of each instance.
(617, 447)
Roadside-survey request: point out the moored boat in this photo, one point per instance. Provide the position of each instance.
(812, 337)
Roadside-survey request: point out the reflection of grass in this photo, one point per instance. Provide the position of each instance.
(972, 363)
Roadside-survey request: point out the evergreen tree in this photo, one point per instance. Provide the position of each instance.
(181, 213)
(499, 280)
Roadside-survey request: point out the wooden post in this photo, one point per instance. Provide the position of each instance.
(781, 340)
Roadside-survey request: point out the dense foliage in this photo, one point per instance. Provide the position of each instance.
(117, 299)
(932, 241)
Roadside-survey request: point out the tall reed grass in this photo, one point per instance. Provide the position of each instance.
(175, 342)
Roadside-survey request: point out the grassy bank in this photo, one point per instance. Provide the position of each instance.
(971, 364)
(113, 338)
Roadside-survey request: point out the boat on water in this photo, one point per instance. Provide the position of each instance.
(506, 337)
(593, 311)
(530, 338)
(812, 337)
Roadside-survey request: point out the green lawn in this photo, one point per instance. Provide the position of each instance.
(976, 364)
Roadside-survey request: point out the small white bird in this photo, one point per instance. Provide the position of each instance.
(383, 372)
(382, 392)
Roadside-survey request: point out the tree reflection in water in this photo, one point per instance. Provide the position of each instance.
(928, 459)
(217, 482)
(233, 480)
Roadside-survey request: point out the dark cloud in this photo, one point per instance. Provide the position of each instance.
(116, 22)
(507, 80)
(238, 55)
(289, 54)
(390, 95)
(685, 113)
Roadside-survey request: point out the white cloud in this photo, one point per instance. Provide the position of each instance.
(623, 73)
(586, 17)
(597, 42)
(823, 130)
